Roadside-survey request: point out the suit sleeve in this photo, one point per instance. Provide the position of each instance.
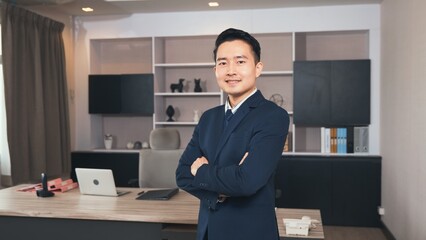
(265, 150)
(184, 178)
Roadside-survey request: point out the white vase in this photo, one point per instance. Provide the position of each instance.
(108, 143)
(196, 116)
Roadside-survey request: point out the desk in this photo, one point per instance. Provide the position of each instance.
(73, 216)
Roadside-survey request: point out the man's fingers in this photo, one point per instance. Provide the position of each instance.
(244, 158)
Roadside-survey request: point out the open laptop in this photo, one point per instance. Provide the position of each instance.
(101, 182)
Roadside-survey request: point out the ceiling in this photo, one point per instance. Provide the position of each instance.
(119, 7)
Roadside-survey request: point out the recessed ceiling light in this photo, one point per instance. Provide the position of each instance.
(213, 4)
(87, 9)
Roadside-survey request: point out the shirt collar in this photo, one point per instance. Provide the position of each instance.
(234, 109)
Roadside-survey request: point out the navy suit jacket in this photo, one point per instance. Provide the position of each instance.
(259, 127)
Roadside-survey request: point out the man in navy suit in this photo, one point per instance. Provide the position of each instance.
(230, 162)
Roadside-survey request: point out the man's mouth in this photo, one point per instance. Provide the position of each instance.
(232, 81)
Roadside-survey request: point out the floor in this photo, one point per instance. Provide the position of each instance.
(353, 233)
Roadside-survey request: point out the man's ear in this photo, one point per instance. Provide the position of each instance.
(259, 68)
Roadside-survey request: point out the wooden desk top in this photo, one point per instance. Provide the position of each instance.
(181, 209)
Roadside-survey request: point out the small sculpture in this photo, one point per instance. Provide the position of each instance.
(145, 145)
(130, 145)
(137, 145)
(196, 116)
(197, 87)
(170, 111)
(177, 86)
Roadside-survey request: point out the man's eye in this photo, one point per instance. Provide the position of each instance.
(241, 62)
(221, 63)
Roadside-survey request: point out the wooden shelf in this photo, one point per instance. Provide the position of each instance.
(188, 94)
(176, 123)
(184, 65)
(276, 73)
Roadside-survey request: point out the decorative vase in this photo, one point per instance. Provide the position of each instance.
(196, 116)
(170, 111)
(108, 141)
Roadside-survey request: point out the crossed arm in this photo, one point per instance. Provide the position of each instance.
(202, 160)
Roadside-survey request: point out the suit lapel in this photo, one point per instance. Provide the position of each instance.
(245, 108)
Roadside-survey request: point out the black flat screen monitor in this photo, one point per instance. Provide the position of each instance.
(131, 94)
(331, 93)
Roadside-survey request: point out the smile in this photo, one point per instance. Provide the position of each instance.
(232, 81)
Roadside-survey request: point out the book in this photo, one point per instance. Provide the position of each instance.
(56, 185)
(333, 139)
(327, 140)
(287, 145)
(350, 140)
(361, 140)
(66, 187)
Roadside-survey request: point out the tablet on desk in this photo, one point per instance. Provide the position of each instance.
(162, 194)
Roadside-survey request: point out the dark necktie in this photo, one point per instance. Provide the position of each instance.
(228, 116)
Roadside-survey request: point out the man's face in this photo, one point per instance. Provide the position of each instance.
(236, 70)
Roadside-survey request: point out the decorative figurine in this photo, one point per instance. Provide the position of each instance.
(196, 116)
(197, 87)
(137, 145)
(277, 99)
(145, 145)
(170, 111)
(177, 86)
(130, 145)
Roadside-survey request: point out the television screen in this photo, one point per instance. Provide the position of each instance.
(121, 94)
(332, 93)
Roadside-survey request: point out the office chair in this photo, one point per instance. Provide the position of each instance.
(157, 165)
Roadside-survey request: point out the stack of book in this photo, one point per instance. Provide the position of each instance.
(344, 140)
(55, 185)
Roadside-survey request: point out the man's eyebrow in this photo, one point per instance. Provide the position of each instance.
(236, 57)
(241, 56)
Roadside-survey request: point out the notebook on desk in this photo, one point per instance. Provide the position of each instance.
(162, 194)
(100, 182)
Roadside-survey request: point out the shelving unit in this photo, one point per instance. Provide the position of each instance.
(118, 56)
(341, 45)
(190, 57)
(187, 58)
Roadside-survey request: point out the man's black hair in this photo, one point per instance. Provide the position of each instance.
(232, 34)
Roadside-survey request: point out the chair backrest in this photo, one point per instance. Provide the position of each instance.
(164, 139)
(157, 165)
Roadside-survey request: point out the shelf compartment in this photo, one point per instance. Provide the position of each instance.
(276, 73)
(176, 123)
(184, 65)
(188, 94)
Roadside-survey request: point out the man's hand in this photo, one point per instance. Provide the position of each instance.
(197, 164)
(244, 158)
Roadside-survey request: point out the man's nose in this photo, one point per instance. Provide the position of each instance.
(231, 69)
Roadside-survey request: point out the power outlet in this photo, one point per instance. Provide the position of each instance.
(381, 210)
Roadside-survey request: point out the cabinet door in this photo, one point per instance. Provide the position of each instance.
(332, 93)
(346, 189)
(125, 166)
(305, 183)
(356, 194)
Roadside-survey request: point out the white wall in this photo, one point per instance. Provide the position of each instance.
(360, 17)
(403, 119)
(4, 147)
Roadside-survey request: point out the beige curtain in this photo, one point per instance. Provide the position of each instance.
(36, 94)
